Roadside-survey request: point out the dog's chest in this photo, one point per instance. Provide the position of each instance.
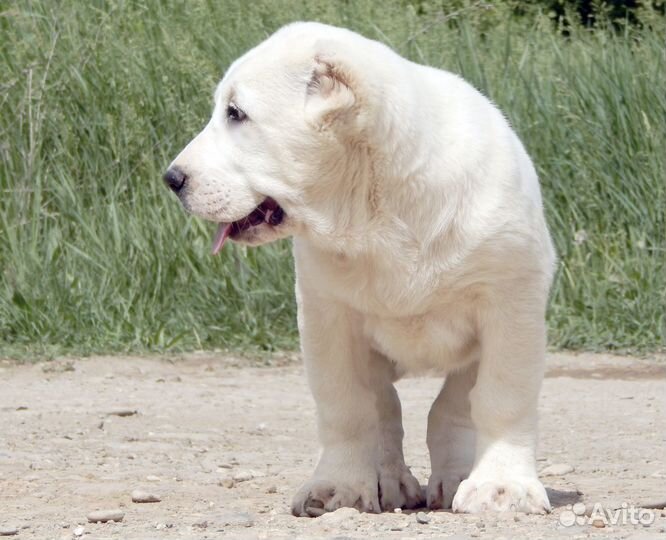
(418, 325)
(371, 287)
(438, 340)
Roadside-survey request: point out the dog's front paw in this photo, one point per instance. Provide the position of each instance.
(316, 497)
(519, 495)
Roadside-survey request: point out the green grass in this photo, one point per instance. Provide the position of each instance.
(97, 97)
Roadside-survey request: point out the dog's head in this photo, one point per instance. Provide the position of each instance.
(284, 148)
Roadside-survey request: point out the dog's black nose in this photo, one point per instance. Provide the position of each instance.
(175, 179)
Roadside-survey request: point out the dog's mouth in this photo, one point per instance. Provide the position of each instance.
(268, 212)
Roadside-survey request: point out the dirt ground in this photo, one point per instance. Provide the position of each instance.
(224, 446)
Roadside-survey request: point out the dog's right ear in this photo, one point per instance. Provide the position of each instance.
(330, 94)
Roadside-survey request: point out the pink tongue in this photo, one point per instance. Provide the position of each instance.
(223, 230)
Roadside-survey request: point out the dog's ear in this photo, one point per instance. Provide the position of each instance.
(330, 94)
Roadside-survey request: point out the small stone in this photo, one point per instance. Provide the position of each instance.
(598, 523)
(203, 524)
(160, 526)
(245, 475)
(140, 496)
(6, 530)
(78, 531)
(123, 412)
(272, 489)
(423, 518)
(400, 526)
(152, 478)
(240, 519)
(341, 515)
(227, 482)
(397, 510)
(102, 516)
(557, 469)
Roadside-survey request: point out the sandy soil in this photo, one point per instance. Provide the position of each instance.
(225, 447)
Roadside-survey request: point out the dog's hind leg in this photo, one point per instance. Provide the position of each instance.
(451, 438)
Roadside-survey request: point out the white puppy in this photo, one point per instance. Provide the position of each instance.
(420, 245)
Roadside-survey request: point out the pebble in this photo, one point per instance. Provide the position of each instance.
(123, 412)
(152, 478)
(423, 518)
(245, 475)
(78, 531)
(272, 489)
(227, 482)
(557, 469)
(140, 496)
(341, 515)
(598, 523)
(8, 531)
(102, 516)
(240, 519)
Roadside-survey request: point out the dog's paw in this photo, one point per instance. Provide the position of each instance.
(398, 488)
(519, 495)
(317, 497)
(442, 487)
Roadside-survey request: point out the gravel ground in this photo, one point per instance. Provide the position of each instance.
(222, 449)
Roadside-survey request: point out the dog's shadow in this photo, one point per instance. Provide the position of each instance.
(557, 497)
(560, 497)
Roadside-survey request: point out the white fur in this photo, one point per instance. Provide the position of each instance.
(420, 244)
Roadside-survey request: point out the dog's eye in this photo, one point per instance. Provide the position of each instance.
(234, 114)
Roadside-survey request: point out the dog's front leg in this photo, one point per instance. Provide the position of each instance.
(338, 364)
(504, 410)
